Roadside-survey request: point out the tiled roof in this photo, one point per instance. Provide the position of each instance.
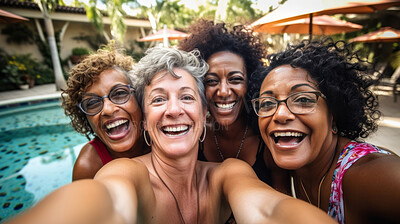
(32, 5)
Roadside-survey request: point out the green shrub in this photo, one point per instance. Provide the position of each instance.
(80, 51)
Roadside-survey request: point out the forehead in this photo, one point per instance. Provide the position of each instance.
(163, 78)
(284, 77)
(226, 58)
(108, 78)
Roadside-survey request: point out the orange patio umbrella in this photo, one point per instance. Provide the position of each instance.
(322, 25)
(384, 34)
(8, 17)
(165, 35)
(294, 9)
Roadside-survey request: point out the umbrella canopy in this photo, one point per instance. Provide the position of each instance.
(294, 9)
(384, 34)
(8, 17)
(168, 33)
(322, 25)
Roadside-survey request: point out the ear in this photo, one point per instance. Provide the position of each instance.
(144, 122)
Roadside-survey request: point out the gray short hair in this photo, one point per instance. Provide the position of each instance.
(166, 59)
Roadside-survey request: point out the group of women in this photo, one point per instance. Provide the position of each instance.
(294, 127)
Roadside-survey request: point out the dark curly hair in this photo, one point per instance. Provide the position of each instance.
(83, 75)
(341, 77)
(209, 37)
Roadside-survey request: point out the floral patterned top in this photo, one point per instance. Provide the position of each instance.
(350, 154)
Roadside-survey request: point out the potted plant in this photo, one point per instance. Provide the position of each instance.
(78, 54)
(18, 70)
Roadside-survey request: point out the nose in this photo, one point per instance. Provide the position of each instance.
(108, 107)
(224, 90)
(174, 108)
(283, 114)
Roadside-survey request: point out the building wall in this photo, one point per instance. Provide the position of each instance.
(78, 26)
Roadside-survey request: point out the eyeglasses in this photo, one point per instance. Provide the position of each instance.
(297, 103)
(119, 94)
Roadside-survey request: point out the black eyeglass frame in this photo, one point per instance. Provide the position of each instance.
(253, 102)
(130, 88)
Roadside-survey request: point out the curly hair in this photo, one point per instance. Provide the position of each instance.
(210, 38)
(341, 77)
(83, 75)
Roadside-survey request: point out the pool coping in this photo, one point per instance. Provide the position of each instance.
(29, 100)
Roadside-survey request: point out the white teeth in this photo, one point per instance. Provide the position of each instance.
(116, 123)
(288, 134)
(176, 128)
(225, 106)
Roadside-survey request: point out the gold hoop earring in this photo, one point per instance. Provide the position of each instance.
(145, 138)
(204, 135)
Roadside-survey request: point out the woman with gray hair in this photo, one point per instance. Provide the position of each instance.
(169, 185)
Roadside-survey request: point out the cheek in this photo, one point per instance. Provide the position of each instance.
(263, 125)
(93, 122)
(210, 92)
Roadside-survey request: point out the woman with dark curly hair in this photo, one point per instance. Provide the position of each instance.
(233, 56)
(99, 100)
(314, 105)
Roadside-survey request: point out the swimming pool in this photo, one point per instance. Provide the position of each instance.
(38, 148)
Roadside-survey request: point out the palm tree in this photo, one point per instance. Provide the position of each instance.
(46, 6)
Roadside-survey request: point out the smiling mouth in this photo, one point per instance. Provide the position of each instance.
(225, 106)
(288, 138)
(175, 130)
(117, 127)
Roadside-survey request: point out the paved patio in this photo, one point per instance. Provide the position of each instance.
(388, 134)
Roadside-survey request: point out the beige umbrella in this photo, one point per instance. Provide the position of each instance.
(384, 34)
(295, 9)
(8, 17)
(322, 25)
(165, 35)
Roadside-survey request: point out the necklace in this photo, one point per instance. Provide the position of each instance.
(319, 190)
(173, 195)
(240, 147)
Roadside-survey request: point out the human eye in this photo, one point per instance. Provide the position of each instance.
(267, 104)
(158, 100)
(188, 98)
(304, 99)
(91, 103)
(211, 81)
(119, 93)
(236, 79)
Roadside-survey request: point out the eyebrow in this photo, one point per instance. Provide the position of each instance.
(270, 92)
(162, 90)
(229, 74)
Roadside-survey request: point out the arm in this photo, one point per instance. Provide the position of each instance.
(252, 201)
(371, 189)
(87, 164)
(112, 197)
(81, 202)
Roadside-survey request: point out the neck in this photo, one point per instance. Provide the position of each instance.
(138, 149)
(181, 171)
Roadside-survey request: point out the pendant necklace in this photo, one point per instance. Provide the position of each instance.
(173, 195)
(319, 190)
(240, 147)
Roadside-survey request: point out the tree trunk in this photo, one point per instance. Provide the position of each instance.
(59, 77)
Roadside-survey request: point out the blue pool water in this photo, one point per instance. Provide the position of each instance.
(38, 148)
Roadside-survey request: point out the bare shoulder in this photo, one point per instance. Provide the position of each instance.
(87, 163)
(371, 187)
(123, 167)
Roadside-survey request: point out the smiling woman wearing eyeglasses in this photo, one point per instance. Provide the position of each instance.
(100, 102)
(314, 107)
